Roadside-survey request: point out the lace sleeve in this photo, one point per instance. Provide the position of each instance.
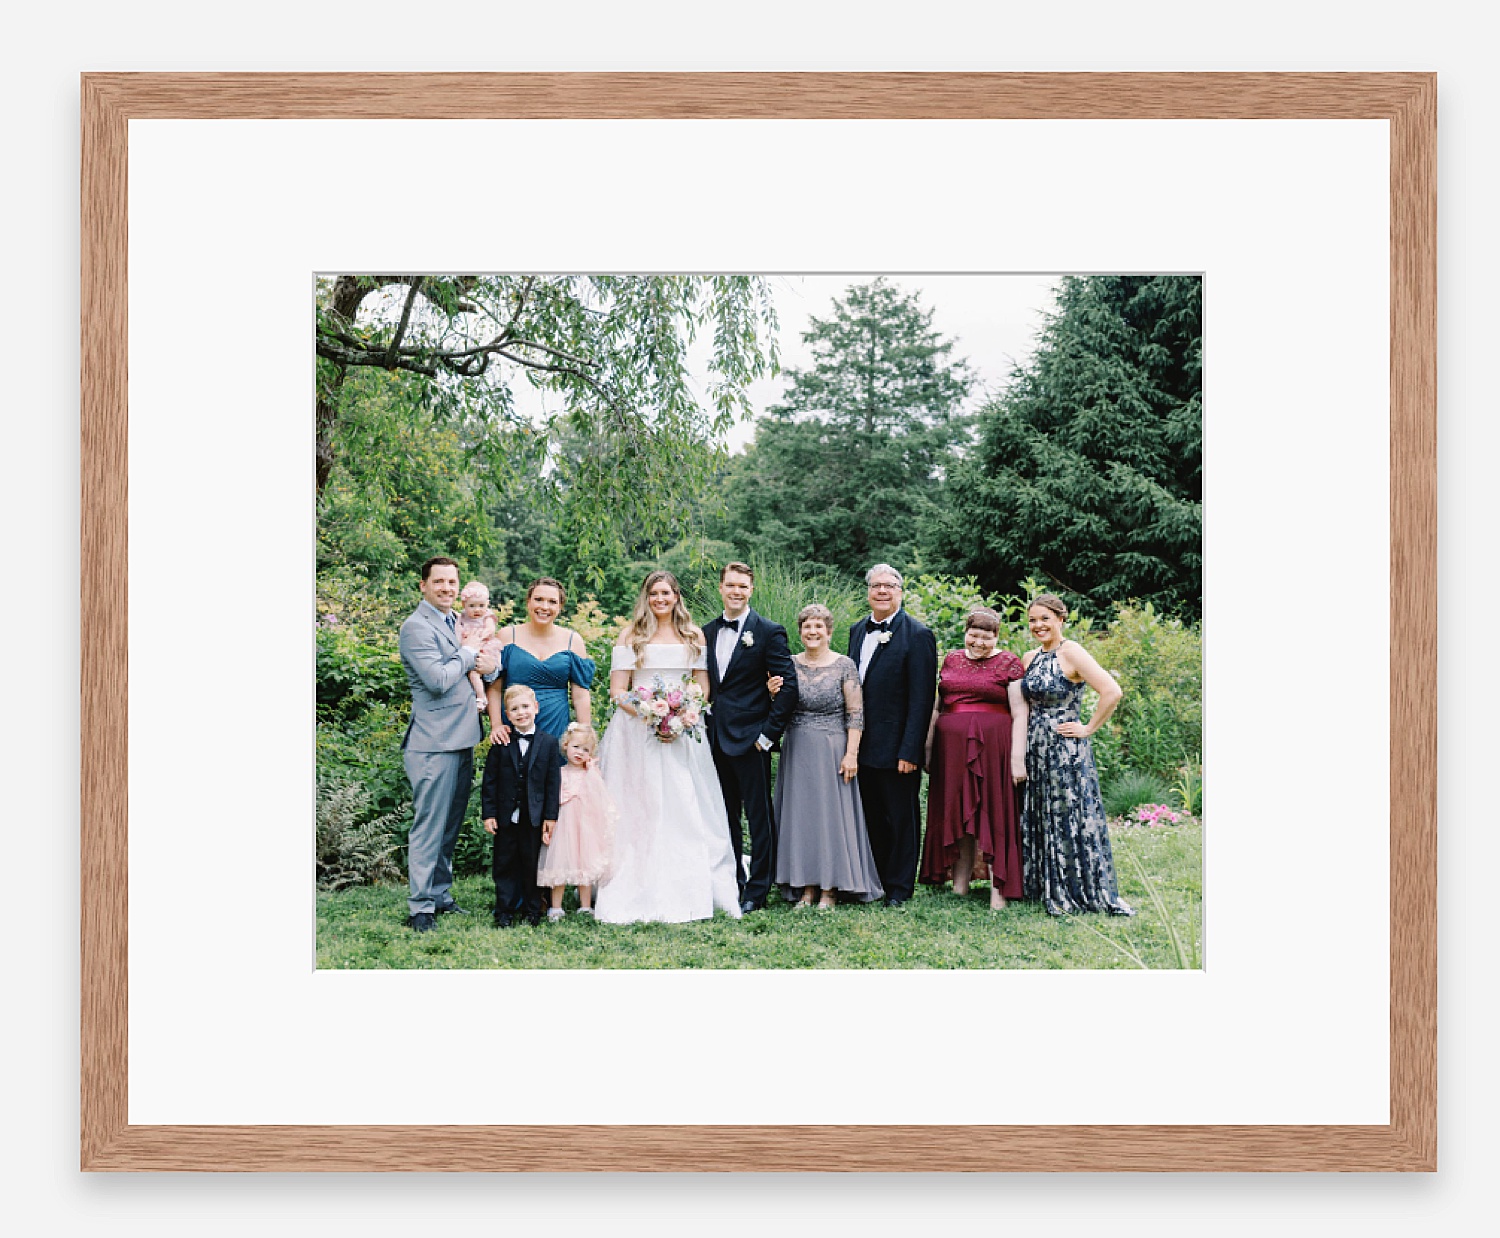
(854, 700)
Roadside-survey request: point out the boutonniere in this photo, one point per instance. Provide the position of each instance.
(747, 639)
(882, 638)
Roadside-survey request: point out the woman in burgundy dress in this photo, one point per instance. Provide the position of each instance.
(976, 755)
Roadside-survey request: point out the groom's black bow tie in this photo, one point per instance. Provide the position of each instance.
(884, 626)
(733, 624)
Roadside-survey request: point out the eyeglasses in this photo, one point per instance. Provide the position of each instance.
(883, 584)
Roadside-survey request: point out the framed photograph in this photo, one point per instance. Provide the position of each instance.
(1307, 1041)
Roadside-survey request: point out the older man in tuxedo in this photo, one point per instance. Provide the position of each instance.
(897, 660)
(744, 649)
(438, 748)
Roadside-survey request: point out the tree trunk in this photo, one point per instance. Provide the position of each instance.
(348, 293)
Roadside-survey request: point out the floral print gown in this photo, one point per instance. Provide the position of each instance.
(1066, 859)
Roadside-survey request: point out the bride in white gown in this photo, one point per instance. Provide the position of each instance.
(672, 860)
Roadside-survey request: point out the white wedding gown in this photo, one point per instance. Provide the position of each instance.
(672, 859)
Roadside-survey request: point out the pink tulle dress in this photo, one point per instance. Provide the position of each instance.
(484, 626)
(584, 838)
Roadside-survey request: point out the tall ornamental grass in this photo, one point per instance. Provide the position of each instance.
(781, 591)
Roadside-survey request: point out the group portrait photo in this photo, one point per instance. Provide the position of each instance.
(758, 621)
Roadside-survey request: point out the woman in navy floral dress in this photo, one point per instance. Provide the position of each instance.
(1065, 850)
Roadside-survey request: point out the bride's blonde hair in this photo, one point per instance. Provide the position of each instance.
(642, 626)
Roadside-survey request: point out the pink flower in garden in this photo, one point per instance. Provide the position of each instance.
(1156, 814)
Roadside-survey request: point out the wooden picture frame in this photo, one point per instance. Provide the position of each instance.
(1406, 100)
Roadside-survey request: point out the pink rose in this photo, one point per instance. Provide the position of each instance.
(660, 708)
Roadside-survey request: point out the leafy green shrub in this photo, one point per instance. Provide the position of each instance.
(471, 853)
(355, 672)
(598, 631)
(358, 663)
(1128, 790)
(367, 749)
(354, 847)
(1158, 662)
(943, 602)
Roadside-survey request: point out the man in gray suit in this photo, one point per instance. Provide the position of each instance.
(438, 749)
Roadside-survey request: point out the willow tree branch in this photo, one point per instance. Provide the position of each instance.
(411, 298)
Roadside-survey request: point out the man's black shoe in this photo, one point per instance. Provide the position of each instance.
(452, 909)
(895, 902)
(534, 918)
(750, 905)
(421, 922)
(503, 920)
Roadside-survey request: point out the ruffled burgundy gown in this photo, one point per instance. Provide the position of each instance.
(969, 787)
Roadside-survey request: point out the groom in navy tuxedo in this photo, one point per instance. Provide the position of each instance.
(746, 721)
(897, 660)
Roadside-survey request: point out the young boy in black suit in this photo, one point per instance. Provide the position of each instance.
(518, 799)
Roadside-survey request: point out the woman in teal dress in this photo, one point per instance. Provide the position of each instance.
(550, 660)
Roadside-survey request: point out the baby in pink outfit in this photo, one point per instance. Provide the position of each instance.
(476, 617)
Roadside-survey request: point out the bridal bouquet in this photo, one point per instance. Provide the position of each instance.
(670, 710)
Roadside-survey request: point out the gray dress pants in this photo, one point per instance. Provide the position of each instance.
(441, 783)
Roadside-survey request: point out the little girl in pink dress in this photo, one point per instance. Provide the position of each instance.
(577, 850)
(476, 616)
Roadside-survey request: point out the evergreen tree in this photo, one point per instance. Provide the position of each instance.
(1088, 471)
(842, 471)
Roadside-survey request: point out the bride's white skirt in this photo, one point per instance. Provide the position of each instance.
(672, 859)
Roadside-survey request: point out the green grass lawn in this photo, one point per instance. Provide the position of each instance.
(365, 928)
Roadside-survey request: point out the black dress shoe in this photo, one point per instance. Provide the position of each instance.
(452, 909)
(534, 918)
(895, 902)
(750, 905)
(421, 922)
(503, 920)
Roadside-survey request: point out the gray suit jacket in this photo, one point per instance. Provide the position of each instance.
(443, 715)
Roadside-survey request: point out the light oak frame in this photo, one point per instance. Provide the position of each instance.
(1407, 100)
